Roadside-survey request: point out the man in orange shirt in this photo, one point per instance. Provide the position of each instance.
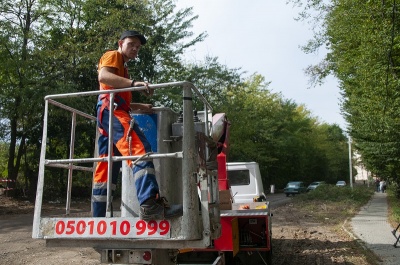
(113, 74)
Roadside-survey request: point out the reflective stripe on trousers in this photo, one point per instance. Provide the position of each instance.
(143, 171)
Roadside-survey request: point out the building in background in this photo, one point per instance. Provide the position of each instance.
(363, 175)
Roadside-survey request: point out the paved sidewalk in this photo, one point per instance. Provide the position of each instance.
(371, 226)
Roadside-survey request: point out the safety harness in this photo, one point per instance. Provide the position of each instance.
(119, 104)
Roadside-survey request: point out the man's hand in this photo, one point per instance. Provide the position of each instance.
(148, 92)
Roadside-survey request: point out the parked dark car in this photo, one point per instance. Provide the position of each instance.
(315, 185)
(295, 187)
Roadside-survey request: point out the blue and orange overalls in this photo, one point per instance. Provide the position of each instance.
(143, 171)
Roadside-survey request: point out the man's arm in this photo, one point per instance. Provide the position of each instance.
(108, 76)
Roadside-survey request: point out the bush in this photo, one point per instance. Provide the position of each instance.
(334, 204)
(358, 194)
(394, 206)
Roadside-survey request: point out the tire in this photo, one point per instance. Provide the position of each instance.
(229, 259)
(269, 256)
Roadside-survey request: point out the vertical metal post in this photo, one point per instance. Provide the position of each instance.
(70, 169)
(206, 128)
(190, 220)
(205, 193)
(110, 154)
(206, 119)
(350, 164)
(39, 191)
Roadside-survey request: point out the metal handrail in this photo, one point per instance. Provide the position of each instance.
(141, 88)
(115, 158)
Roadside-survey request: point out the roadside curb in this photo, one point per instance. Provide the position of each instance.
(351, 234)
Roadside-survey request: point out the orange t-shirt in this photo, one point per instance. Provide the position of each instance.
(115, 60)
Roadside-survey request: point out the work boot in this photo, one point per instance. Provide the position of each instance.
(158, 209)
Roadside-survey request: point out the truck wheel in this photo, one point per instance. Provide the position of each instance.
(255, 258)
(269, 256)
(230, 260)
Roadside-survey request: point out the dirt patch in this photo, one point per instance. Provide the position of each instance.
(300, 237)
(17, 245)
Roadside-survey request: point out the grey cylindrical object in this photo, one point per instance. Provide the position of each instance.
(191, 219)
(129, 201)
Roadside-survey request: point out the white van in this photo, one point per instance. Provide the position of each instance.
(245, 181)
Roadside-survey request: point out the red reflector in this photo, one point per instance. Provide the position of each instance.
(147, 255)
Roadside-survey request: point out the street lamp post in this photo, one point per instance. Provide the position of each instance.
(350, 164)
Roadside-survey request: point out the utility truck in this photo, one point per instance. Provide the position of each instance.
(245, 182)
(219, 225)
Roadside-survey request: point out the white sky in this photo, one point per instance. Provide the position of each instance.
(262, 36)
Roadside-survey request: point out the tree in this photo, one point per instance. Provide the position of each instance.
(53, 47)
(364, 56)
(283, 137)
(19, 21)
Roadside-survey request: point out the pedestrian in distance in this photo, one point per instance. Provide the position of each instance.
(382, 186)
(128, 139)
(377, 185)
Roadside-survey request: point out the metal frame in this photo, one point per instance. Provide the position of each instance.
(187, 227)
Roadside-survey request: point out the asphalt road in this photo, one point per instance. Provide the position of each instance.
(277, 199)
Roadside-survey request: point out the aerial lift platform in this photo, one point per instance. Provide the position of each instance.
(186, 148)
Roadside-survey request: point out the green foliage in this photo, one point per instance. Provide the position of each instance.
(363, 53)
(332, 204)
(210, 77)
(52, 47)
(358, 195)
(394, 204)
(3, 160)
(282, 137)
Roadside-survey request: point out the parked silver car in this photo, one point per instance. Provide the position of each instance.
(341, 183)
(315, 185)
